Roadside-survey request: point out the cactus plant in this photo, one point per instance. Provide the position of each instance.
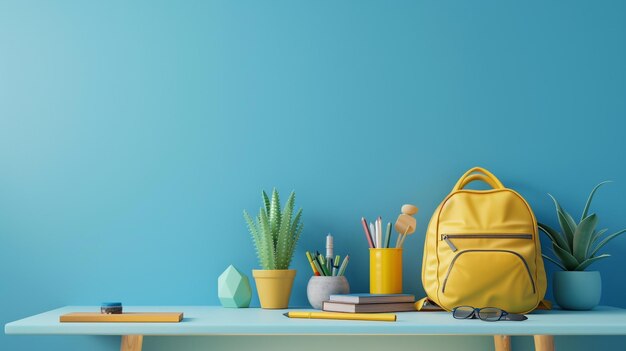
(275, 232)
(577, 245)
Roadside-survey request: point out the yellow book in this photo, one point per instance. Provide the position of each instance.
(127, 317)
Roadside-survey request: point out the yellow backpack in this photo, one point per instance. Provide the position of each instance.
(482, 249)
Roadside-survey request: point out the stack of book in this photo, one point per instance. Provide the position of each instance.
(372, 303)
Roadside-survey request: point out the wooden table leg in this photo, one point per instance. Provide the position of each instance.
(502, 342)
(131, 342)
(544, 343)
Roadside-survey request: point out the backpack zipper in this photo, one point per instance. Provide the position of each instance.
(532, 281)
(447, 237)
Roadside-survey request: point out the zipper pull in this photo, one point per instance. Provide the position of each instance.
(449, 242)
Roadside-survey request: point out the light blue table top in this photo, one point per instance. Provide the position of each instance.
(214, 320)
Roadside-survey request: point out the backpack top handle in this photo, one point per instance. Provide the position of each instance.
(478, 173)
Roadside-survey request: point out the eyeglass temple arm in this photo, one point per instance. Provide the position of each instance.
(515, 317)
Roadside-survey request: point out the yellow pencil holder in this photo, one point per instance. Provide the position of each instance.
(386, 271)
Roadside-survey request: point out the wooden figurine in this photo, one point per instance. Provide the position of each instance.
(406, 223)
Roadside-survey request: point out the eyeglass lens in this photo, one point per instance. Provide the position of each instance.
(490, 314)
(463, 312)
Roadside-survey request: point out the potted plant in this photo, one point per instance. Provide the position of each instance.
(275, 234)
(576, 247)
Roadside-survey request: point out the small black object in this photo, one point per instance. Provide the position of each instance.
(111, 308)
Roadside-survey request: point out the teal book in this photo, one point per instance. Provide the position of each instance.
(372, 298)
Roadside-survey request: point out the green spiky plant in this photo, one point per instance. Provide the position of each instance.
(275, 233)
(577, 245)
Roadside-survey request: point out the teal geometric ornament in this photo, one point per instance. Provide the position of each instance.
(233, 288)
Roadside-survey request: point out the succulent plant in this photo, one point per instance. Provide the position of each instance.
(577, 245)
(275, 232)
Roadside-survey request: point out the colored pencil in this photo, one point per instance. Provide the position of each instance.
(308, 256)
(381, 317)
(344, 264)
(387, 235)
(322, 262)
(368, 235)
(318, 267)
(379, 233)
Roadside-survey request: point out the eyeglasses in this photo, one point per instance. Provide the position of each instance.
(489, 314)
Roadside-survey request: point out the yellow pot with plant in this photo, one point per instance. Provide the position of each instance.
(275, 234)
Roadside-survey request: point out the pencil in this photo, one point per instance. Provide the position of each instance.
(381, 317)
(379, 232)
(388, 235)
(368, 235)
(322, 262)
(344, 264)
(318, 267)
(336, 265)
(308, 256)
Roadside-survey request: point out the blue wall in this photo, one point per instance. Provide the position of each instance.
(132, 135)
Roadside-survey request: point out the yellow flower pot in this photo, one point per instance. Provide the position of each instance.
(274, 286)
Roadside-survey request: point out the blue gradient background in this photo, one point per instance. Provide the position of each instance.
(133, 134)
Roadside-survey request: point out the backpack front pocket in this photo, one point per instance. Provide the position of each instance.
(488, 278)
